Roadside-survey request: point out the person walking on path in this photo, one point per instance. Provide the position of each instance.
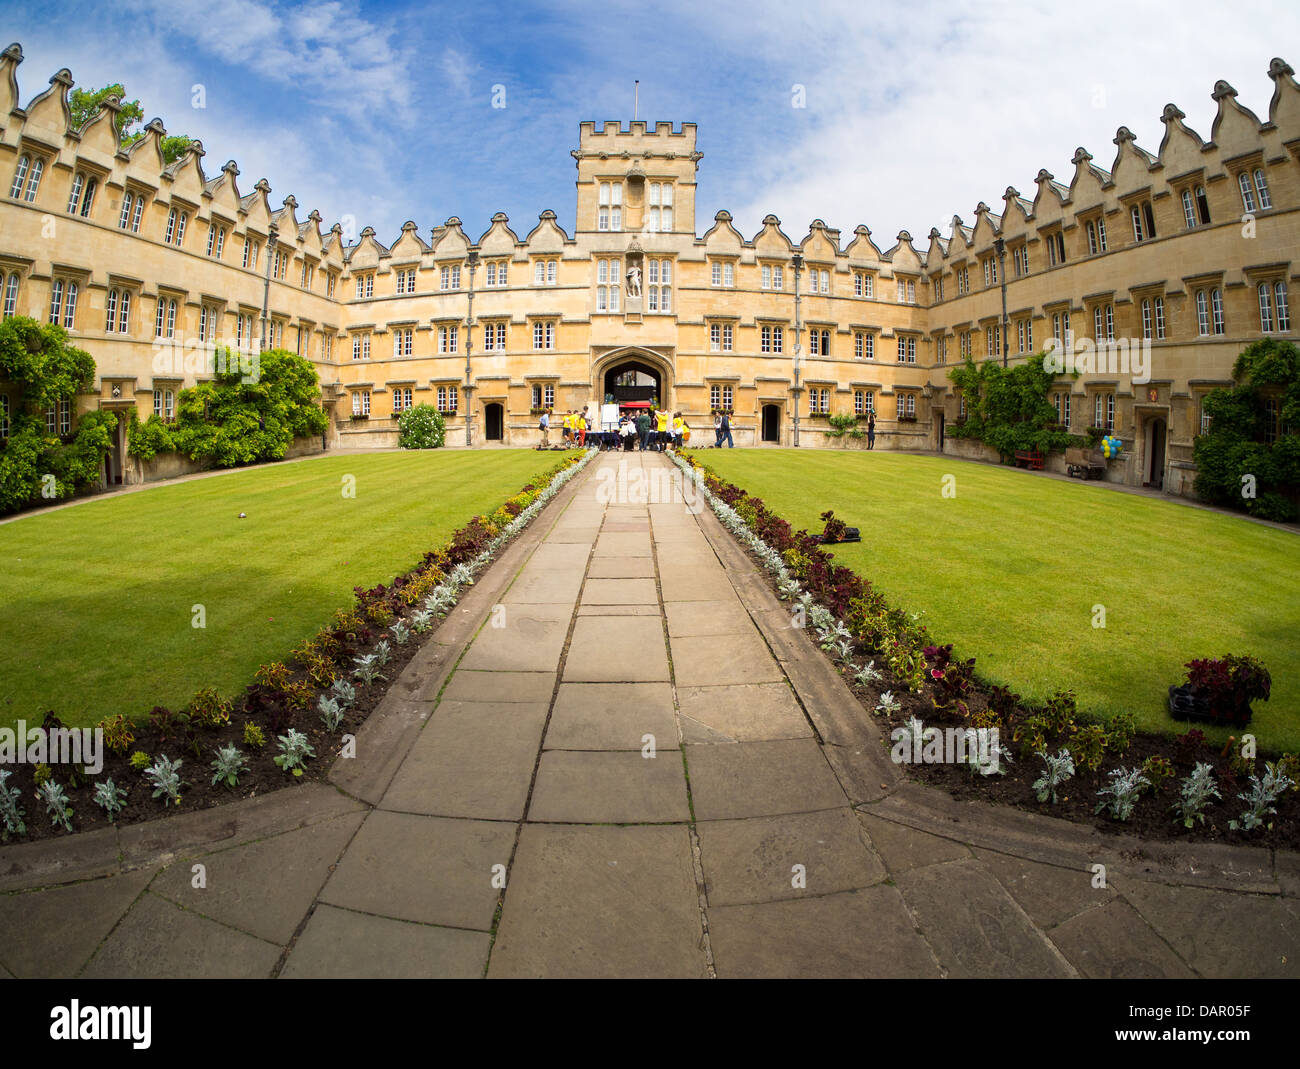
(871, 430)
(582, 427)
(545, 424)
(717, 431)
(724, 432)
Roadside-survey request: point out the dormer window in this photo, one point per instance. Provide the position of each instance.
(450, 277)
(1055, 248)
(1196, 208)
(1096, 232)
(82, 194)
(176, 222)
(1248, 194)
(496, 272)
(27, 178)
(132, 209)
(1144, 222)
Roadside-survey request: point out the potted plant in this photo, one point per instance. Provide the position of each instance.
(1220, 690)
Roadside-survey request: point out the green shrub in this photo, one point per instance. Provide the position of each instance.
(146, 440)
(1236, 445)
(422, 427)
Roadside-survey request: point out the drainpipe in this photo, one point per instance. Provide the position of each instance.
(271, 237)
(797, 264)
(472, 262)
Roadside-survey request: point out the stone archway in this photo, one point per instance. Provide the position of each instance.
(633, 374)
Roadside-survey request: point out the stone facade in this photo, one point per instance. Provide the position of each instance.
(1190, 251)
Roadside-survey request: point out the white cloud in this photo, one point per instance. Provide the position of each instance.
(917, 112)
(349, 63)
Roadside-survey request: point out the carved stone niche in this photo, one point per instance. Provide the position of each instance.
(633, 277)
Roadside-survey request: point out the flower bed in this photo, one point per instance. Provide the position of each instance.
(1044, 758)
(295, 714)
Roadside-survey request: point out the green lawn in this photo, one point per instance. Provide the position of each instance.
(1010, 568)
(96, 601)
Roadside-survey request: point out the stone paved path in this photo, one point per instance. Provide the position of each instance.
(617, 759)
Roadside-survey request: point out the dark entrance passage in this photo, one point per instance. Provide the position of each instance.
(493, 419)
(633, 381)
(771, 423)
(1156, 451)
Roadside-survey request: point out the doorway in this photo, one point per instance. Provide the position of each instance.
(771, 423)
(493, 422)
(1156, 454)
(113, 475)
(938, 418)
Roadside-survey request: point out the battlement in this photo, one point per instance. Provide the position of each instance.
(638, 136)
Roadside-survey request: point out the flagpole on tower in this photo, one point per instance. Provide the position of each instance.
(636, 98)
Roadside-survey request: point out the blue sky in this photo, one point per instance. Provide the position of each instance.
(914, 113)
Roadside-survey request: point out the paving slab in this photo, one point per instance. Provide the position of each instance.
(552, 575)
(473, 759)
(612, 716)
(1238, 936)
(747, 712)
(715, 660)
(339, 944)
(159, 940)
(754, 860)
(1112, 942)
(426, 869)
(756, 779)
(623, 544)
(628, 649)
(485, 686)
(692, 619)
(620, 592)
(609, 788)
(601, 902)
(864, 934)
(263, 888)
(974, 927)
(530, 641)
(1049, 894)
(700, 582)
(621, 568)
(619, 610)
(904, 848)
(52, 933)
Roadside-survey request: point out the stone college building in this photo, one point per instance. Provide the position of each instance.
(1185, 256)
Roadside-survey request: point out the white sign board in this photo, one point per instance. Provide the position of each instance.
(609, 417)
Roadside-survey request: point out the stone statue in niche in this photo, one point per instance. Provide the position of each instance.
(634, 281)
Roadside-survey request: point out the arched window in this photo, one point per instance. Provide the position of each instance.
(74, 195)
(28, 174)
(11, 294)
(88, 197)
(1265, 307)
(70, 306)
(110, 312)
(128, 202)
(124, 312)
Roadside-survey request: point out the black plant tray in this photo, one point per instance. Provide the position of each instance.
(1185, 704)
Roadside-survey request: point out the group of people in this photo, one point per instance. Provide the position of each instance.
(650, 430)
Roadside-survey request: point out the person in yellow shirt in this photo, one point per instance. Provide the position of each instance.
(581, 427)
(568, 428)
(678, 425)
(661, 429)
